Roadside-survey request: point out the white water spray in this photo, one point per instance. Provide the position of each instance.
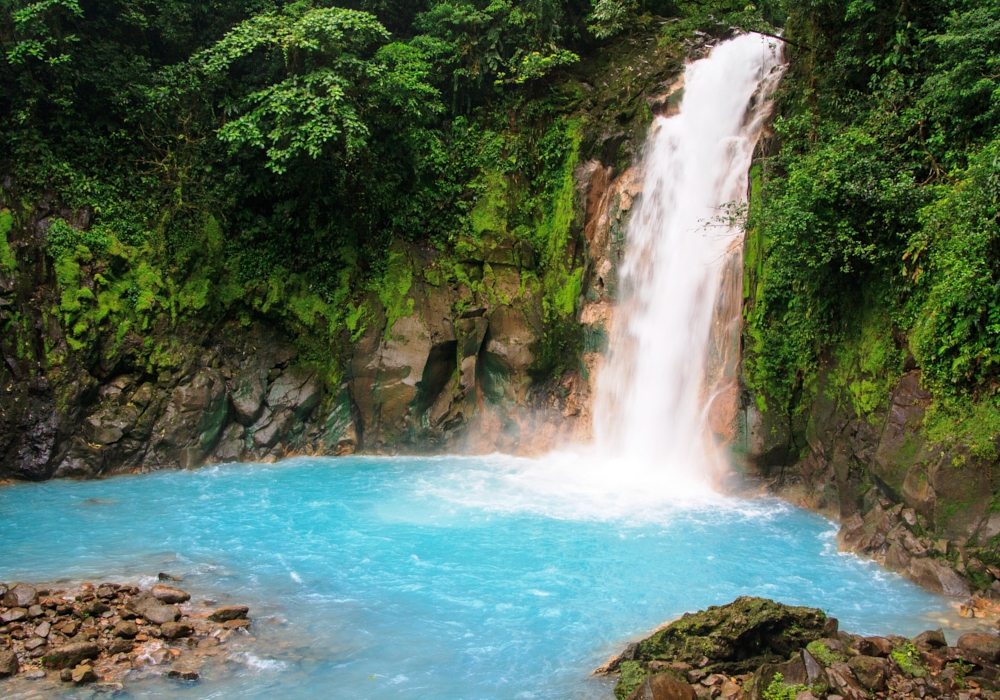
(650, 413)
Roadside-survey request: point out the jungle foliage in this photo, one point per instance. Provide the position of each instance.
(877, 212)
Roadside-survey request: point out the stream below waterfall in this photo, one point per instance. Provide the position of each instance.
(451, 578)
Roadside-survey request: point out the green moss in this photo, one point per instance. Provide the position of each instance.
(907, 657)
(8, 260)
(954, 422)
(393, 289)
(632, 675)
(823, 653)
(778, 690)
(867, 362)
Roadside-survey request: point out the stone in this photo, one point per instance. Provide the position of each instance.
(161, 656)
(120, 646)
(229, 612)
(66, 675)
(159, 614)
(875, 646)
(166, 594)
(237, 624)
(34, 643)
(730, 690)
(43, 629)
(805, 695)
(297, 390)
(20, 595)
(815, 675)
(84, 673)
(842, 679)
(69, 628)
(663, 686)
(938, 577)
(272, 427)
(8, 664)
(96, 608)
(110, 687)
(70, 655)
(184, 674)
(36, 674)
(981, 646)
(175, 630)
(125, 629)
(931, 638)
(14, 615)
(870, 671)
(247, 395)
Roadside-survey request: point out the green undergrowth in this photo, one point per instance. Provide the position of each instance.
(777, 689)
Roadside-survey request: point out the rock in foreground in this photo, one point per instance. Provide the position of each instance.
(756, 649)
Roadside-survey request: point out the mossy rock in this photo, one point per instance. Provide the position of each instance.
(735, 638)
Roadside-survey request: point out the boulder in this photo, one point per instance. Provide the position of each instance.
(84, 673)
(981, 646)
(14, 615)
(121, 646)
(736, 638)
(70, 655)
(20, 595)
(870, 671)
(875, 646)
(663, 686)
(815, 675)
(166, 594)
(791, 673)
(272, 427)
(175, 630)
(126, 629)
(247, 395)
(931, 638)
(229, 612)
(844, 683)
(161, 614)
(8, 664)
(937, 576)
(297, 390)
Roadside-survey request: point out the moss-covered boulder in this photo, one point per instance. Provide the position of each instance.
(731, 639)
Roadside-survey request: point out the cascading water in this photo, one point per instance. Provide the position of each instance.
(654, 390)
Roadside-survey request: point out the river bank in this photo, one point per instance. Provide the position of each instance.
(54, 636)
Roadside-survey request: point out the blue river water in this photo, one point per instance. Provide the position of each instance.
(442, 578)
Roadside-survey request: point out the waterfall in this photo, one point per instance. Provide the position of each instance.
(672, 342)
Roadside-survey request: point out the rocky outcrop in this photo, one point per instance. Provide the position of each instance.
(918, 508)
(771, 657)
(108, 632)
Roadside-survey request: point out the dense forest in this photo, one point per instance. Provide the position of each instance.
(208, 159)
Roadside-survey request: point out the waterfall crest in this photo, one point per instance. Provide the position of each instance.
(672, 338)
